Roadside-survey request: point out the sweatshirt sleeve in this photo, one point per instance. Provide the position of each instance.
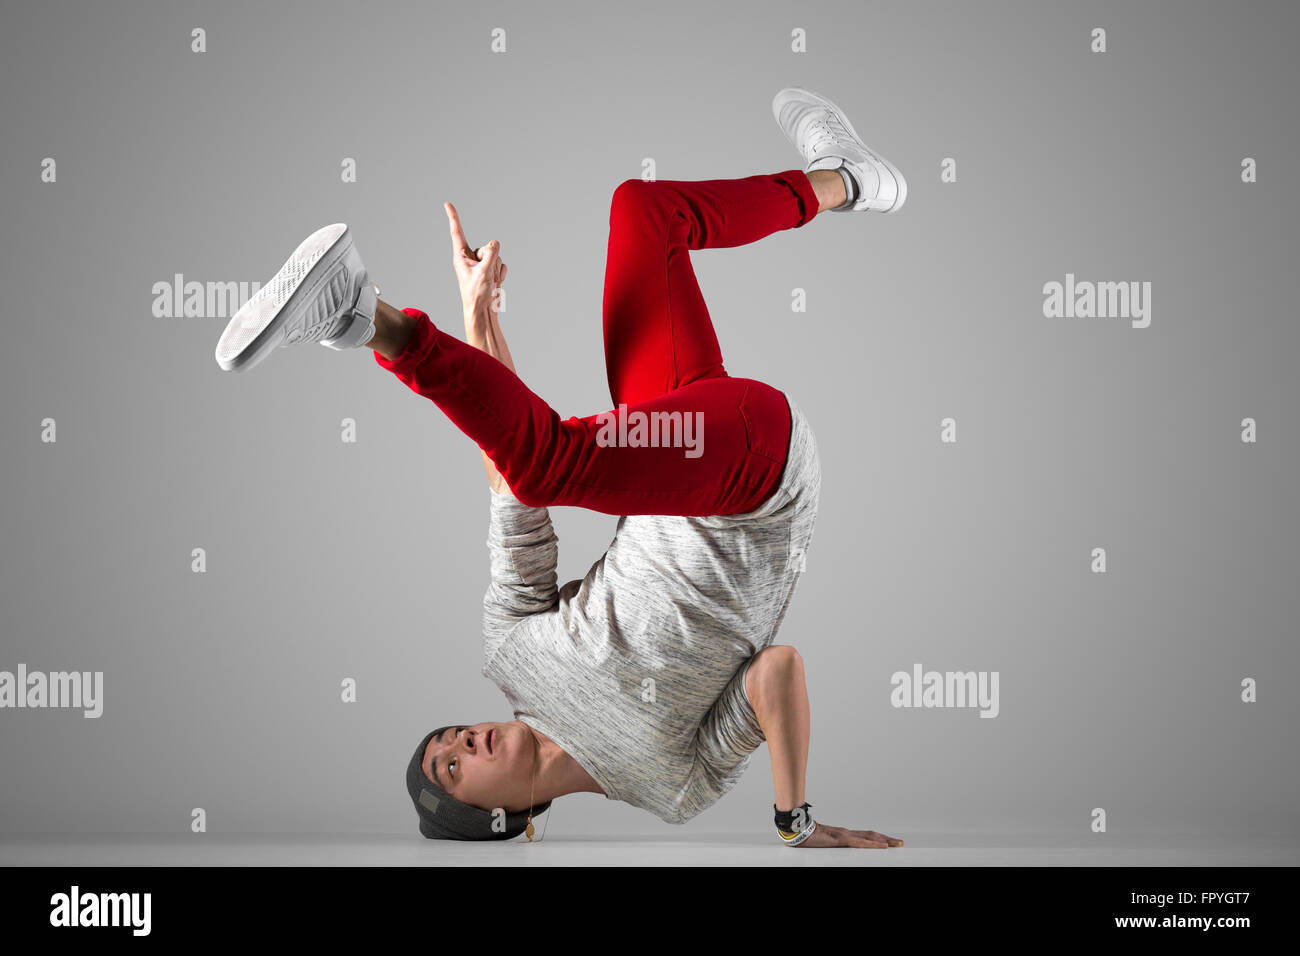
(523, 550)
(729, 733)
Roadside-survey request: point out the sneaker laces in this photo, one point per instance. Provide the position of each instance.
(826, 131)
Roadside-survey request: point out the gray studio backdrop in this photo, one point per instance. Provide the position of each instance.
(328, 560)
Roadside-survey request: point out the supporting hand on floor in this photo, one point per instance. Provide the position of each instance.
(827, 835)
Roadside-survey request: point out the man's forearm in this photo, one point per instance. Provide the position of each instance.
(778, 692)
(483, 331)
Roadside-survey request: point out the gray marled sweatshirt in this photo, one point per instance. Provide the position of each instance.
(638, 670)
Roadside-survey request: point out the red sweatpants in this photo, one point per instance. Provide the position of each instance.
(661, 357)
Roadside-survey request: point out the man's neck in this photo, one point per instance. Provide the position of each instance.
(558, 773)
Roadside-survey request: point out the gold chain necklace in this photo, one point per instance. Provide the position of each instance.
(537, 758)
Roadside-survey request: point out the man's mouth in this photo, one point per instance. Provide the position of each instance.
(491, 740)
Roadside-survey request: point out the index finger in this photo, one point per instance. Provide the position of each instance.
(458, 241)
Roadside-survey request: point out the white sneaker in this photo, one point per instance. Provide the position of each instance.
(826, 139)
(321, 294)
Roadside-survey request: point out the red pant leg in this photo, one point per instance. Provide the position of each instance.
(658, 332)
(741, 431)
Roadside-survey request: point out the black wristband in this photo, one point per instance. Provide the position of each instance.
(785, 818)
(790, 832)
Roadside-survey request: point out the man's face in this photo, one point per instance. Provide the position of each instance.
(486, 765)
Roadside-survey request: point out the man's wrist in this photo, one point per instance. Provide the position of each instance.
(794, 826)
(477, 315)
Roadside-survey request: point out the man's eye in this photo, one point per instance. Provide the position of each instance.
(451, 768)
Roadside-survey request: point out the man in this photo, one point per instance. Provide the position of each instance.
(653, 679)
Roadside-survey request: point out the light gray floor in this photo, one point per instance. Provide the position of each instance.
(697, 850)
